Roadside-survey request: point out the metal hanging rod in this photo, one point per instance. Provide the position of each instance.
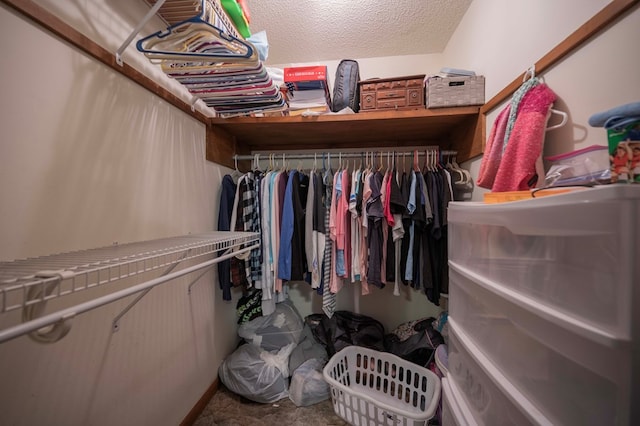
(336, 154)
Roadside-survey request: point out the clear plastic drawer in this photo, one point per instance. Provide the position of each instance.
(488, 398)
(574, 252)
(564, 371)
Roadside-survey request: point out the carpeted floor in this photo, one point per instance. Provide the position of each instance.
(229, 409)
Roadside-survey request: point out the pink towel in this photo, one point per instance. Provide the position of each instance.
(517, 171)
(493, 150)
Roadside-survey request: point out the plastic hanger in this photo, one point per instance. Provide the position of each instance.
(256, 163)
(465, 176)
(565, 118)
(530, 73)
(236, 174)
(196, 39)
(416, 166)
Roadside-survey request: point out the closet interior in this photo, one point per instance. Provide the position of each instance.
(38, 296)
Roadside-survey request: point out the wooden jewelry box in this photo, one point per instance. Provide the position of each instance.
(400, 93)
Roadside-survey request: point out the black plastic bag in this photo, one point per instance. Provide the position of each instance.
(346, 328)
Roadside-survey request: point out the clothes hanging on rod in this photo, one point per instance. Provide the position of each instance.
(370, 224)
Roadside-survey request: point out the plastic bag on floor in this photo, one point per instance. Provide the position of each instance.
(276, 330)
(256, 374)
(308, 386)
(308, 348)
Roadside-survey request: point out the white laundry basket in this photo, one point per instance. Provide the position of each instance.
(378, 388)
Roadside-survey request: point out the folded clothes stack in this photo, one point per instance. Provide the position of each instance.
(616, 117)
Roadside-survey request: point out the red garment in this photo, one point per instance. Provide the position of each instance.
(346, 190)
(387, 198)
(493, 150)
(517, 171)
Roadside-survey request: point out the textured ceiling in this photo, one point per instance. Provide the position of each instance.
(324, 30)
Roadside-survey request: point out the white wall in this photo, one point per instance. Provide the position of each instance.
(501, 39)
(89, 158)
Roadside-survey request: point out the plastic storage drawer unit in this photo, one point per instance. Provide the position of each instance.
(574, 379)
(572, 251)
(486, 394)
(454, 410)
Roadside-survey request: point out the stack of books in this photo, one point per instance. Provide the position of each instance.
(307, 89)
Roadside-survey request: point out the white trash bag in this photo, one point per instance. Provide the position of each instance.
(308, 386)
(276, 330)
(256, 374)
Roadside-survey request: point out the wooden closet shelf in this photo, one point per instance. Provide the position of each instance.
(449, 128)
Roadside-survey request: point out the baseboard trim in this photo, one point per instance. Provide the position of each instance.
(198, 408)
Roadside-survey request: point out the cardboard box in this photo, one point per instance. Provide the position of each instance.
(313, 77)
(505, 197)
(308, 87)
(624, 153)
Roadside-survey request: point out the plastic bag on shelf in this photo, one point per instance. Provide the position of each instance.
(587, 166)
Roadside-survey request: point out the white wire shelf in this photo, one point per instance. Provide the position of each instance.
(82, 270)
(27, 283)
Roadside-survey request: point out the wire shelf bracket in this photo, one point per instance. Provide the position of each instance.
(156, 7)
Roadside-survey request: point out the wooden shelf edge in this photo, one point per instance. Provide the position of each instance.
(455, 128)
(361, 116)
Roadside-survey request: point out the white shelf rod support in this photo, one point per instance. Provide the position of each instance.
(116, 321)
(196, 279)
(67, 314)
(137, 29)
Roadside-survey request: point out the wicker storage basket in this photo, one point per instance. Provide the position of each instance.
(454, 91)
(378, 388)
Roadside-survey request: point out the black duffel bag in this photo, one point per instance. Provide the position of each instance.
(344, 329)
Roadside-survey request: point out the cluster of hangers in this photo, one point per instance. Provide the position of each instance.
(531, 74)
(222, 70)
(433, 159)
